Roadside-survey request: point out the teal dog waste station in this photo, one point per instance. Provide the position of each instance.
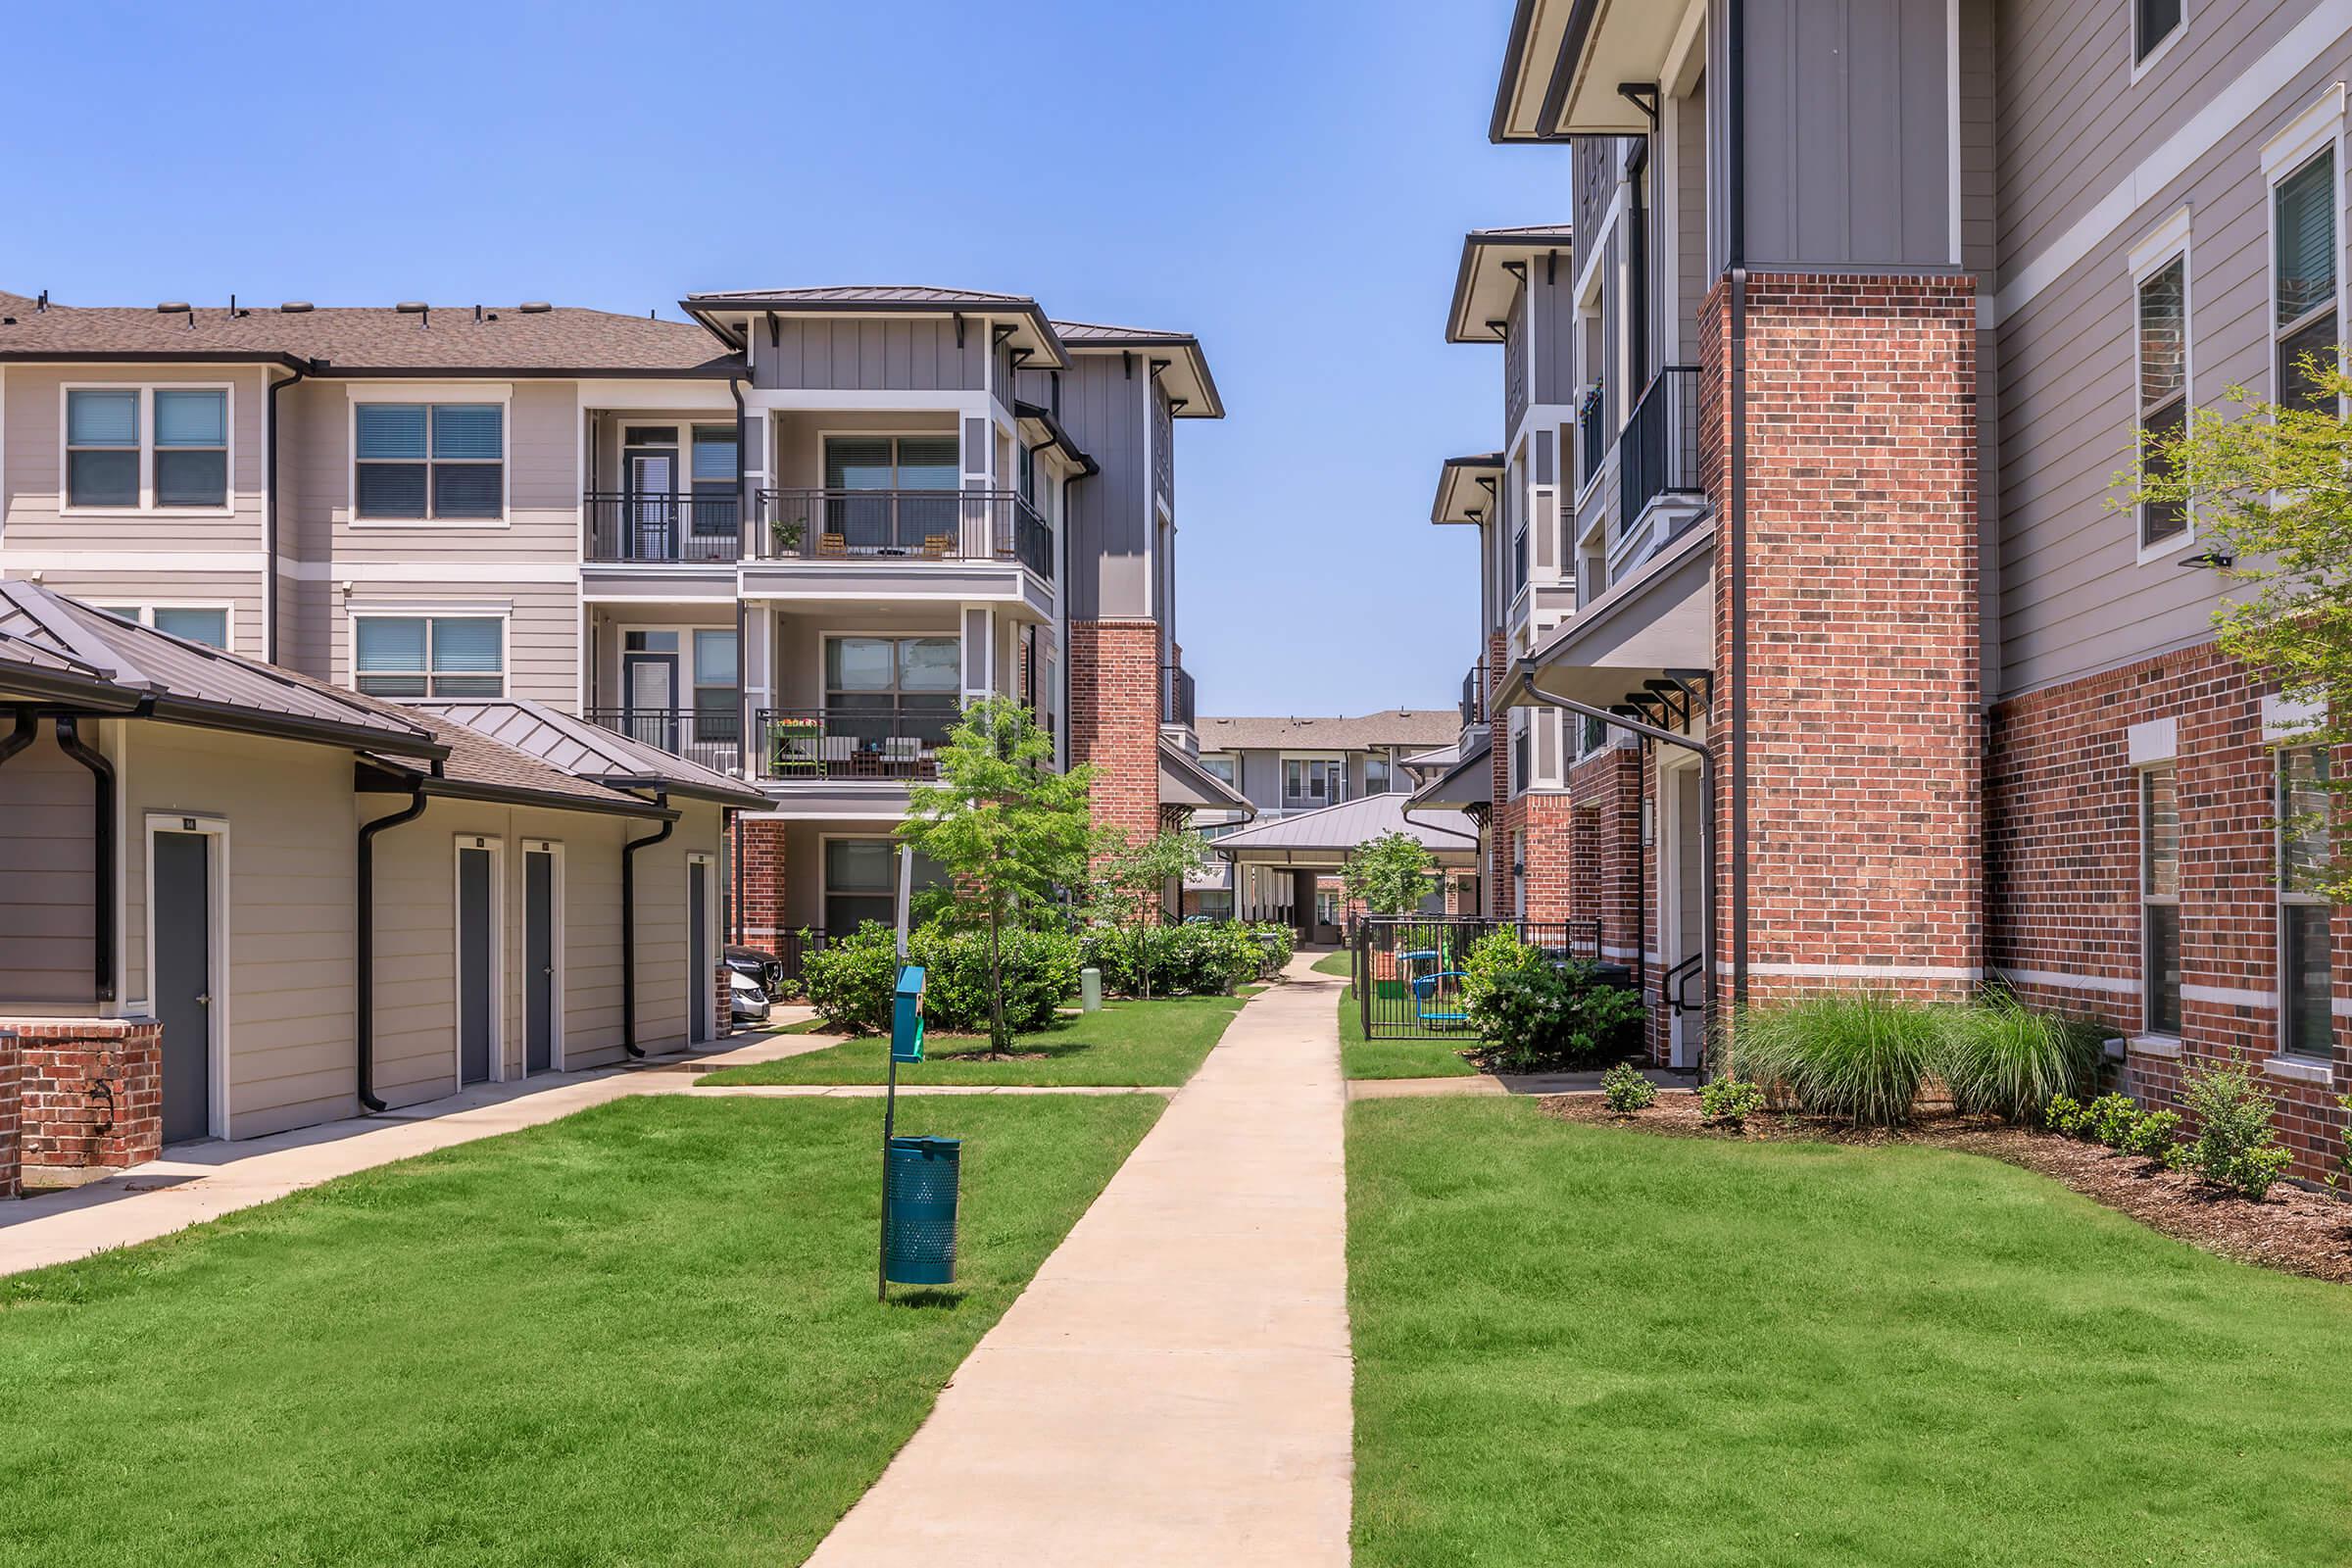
(919, 1175)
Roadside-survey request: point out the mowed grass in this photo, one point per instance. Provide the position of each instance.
(1127, 1044)
(1395, 1058)
(1580, 1346)
(1333, 964)
(644, 1334)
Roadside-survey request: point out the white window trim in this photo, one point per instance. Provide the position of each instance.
(147, 507)
(2146, 899)
(502, 613)
(147, 607)
(412, 392)
(2141, 63)
(496, 847)
(1282, 778)
(2167, 242)
(2289, 899)
(2320, 127)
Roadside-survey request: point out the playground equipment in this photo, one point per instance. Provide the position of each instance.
(1439, 1000)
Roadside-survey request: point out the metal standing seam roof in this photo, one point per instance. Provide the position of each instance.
(853, 298)
(582, 749)
(1337, 829)
(1418, 727)
(1099, 334)
(478, 767)
(47, 634)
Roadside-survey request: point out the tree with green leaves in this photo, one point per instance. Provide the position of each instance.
(1007, 829)
(2267, 487)
(1131, 882)
(1390, 874)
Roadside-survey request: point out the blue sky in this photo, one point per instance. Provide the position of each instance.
(1288, 179)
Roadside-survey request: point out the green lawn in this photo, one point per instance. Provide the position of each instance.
(643, 1333)
(1579, 1346)
(1148, 1044)
(1394, 1059)
(1333, 964)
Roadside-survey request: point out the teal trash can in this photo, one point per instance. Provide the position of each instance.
(918, 1211)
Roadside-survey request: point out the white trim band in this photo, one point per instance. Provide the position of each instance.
(2110, 984)
(1863, 971)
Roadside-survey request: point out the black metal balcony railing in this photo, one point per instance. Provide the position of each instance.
(1176, 708)
(657, 525)
(1657, 454)
(1474, 695)
(711, 737)
(814, 744)
(903, 524)
(1592, 435)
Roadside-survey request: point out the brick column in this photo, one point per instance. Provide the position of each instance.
(1863, 712)
(92, 1097)
(1114, 719)
(760, 853)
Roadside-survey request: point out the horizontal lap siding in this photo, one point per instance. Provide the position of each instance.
(239, 592)
(33, 469)
(543, 628)
(46, 860)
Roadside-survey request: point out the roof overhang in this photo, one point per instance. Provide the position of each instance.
(1567, 59)
(1025, 321)
(1176, 360)
(1462, 497)
(1494, 265)
(1184, 782)
(1659, 621)
(1056, 436)
(377, 775)
(1537, 29)
(1469, 782)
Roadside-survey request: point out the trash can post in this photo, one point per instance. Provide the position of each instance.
(906, 1045)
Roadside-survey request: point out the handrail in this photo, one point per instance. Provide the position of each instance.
(704, 526)
(819, 744)
(848, 526)
(1658, 447)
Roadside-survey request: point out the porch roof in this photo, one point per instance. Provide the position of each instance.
(1659, 620)
(1329, 834)
(590, 752)
(1184, 781)
(1470, 781)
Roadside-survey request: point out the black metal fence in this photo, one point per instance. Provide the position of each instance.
(903, 524)
(1407, 971)
(1658, 453)
(655, 525)
(711, 737)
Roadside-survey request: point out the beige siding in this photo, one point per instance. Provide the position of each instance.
(32, 471)
(239, 592)
(46, 859)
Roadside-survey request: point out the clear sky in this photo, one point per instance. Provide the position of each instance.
(1289, 179)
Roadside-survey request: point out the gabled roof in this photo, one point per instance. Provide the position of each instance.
(586, 750)
(362, 340)
(1182, 781)
(1335, 829)
(1187, 377)
(56, 649)
(1461, 498)
(1390, 726)
(730, 311)
(1495, 262)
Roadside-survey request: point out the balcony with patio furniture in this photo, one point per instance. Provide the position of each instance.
(817, 745)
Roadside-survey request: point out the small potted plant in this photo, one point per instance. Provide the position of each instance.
(785, 534)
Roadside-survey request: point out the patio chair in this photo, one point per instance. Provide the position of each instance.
(833, 544)
(938, 546)
(901, 751)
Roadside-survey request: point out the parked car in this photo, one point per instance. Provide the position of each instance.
(762, 967)
(747, 1002)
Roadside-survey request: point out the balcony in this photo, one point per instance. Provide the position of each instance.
(1592, 435)
(869, 525)
(647, 526)
(714, 739)
(1177, 703)
(1474, 695)
(813, 745)
(1657, 453)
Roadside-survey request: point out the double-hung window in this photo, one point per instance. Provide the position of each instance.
(2303, 313)
(147, 448)
(2160, 900)
(713, 479)
(430, 656)
(430, 461)
(2163, 386)
(1219, 763)
(198, 623)
(717, 698)
(2306, 949)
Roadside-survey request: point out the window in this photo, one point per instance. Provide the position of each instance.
(2163, 381)
(2152, 22)
(183, 464)
(204, 625)
(430, 656)
(2303, 319)
(430, 461)
(1522, 758)
(716, 696)
(2306, 950)
(911, 686)
(1377, 774)
(885, 462)
(1219, 763)
(714, 480)
(1312, 781)
(861, 882)
(2160, 900)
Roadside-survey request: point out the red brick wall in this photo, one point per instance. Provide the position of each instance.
(91, 1094)
(2062, 874)
(12, 1061)
(760, 857)
(1114, 719)
(1864, 761)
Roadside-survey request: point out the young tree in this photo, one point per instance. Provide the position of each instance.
(1007, 829)
(1390, 874)
(1131, 883)
(2269, 490)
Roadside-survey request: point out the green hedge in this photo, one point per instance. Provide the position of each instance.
(850, 982)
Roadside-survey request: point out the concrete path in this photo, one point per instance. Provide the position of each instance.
(1174, 1387)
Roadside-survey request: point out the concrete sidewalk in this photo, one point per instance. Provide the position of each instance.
(1174, 1387)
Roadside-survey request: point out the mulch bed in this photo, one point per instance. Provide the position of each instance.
(2293, 1230)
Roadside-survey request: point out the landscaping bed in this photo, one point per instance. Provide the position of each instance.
(646, 1333)
(2289, 1228)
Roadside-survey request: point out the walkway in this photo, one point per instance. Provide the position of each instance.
(1174, 1386)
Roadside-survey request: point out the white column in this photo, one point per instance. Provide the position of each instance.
(754, 663)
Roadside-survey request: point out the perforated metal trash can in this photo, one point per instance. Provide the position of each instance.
(918, 1210)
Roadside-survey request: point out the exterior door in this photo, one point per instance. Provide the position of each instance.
(701, 981)
(476, 965)
(538, 960)
(652, 476)
(651, 681)
(183, 980)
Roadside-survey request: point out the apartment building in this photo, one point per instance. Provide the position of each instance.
(787, 538)
(1870, 303)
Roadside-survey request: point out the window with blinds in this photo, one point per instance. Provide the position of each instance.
(2303, 319)
(2160, 900)
(887, 463)
(139, 447)
(2163, 386)
(713, 470)
(430, 656)
(430, 461)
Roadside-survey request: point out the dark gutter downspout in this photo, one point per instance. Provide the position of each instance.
(102, 843)
(731, 828)
(29, 725)
(365, 1035)
(269, 487)
(628, 929)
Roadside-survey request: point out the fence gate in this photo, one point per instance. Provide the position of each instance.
(1406, 971)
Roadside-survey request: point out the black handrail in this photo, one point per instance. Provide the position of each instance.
(1658, 449)
(817, 743)
(1474, 695)
(1677, 981)
(711, 737)
(814, 524)
(664, 525)
(1592, 434)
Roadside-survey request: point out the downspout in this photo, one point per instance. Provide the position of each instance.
(749, 544)
(1736, 458)
(628, 930)
(269, 637)
(365, 1034)
(29, 725)
(102, 846)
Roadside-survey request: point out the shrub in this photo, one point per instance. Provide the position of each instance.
(2065, 1115)
(1857, 1056)
(1730, 1101)
(1624, 1091)
(2002, 1059)
(1555, 1016)
(1497, 952)
(851, 982)
(1277, 943)
(2234, 1147)
(2110, 1120)
(1184, 959)
(2156, 1135)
